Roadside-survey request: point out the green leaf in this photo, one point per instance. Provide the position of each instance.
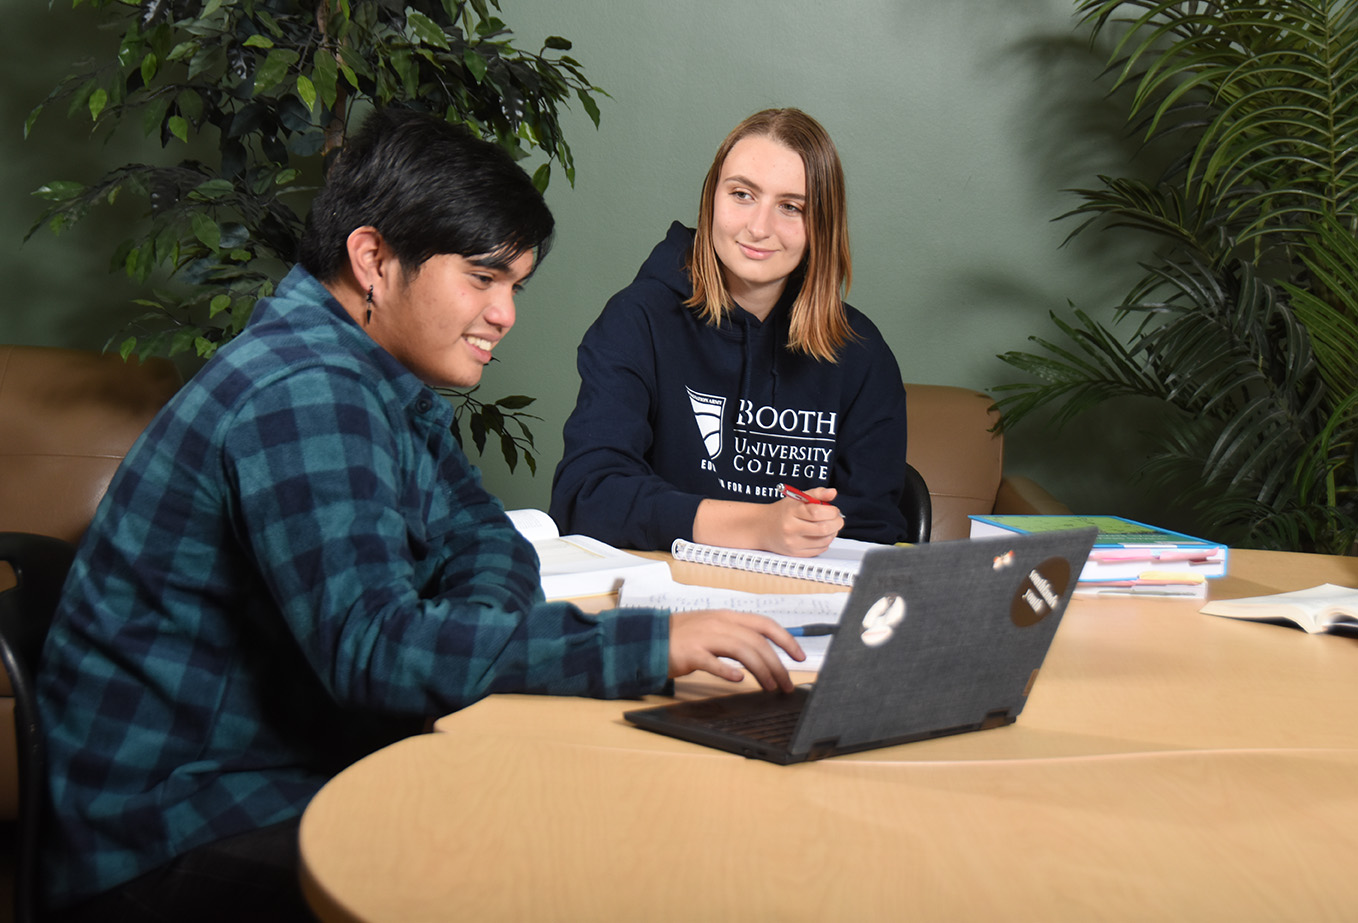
(179, 127)
(259, 40)
(510, 450)
(149, 65)
(98, 99)
(213, 189)
(269, 22)
(183, 51)
(274, 69)
(542, 176)
(476, 65)
(355, 61)
(425, 29)
(182, 340)
(240, 313)
(209, 63)
(306, 92)
(515, 402)
(154, 116)
(408, 70)
(59, 190)
(206, 230)
(190, 104)
(324, 75)
(478, 427)
(129, 50)
(590, 106)
(127, 346)
(218, 304)
(557, 43)
(32, 117)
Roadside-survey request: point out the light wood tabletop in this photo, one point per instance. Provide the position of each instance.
(1169, 765)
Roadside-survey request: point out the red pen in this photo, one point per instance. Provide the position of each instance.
(795, 494)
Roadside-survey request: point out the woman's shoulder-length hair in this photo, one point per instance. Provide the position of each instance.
(819, 326)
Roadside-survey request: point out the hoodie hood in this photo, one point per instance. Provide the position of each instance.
(768, 338)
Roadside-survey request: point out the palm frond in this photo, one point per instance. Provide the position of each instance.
(1276, 77)
(1329, 307)
(1074, 382)
(1245, 320)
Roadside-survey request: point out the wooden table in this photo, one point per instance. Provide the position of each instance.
(1169, 765)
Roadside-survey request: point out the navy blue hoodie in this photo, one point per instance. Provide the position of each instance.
(673, 409)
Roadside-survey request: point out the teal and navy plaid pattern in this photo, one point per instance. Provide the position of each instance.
(294, 565)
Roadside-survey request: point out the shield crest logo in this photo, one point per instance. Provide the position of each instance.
(707, 412)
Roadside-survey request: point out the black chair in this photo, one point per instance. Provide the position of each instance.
(40, 564)
(917, 507)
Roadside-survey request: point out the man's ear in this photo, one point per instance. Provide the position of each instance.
(370, 259)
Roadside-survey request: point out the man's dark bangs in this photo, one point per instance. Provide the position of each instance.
(495, 244)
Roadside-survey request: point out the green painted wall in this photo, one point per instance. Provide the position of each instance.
(959, 124)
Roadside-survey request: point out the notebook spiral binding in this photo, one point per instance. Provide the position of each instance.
(761, 562)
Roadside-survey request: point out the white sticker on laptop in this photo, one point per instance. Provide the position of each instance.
(881, 619)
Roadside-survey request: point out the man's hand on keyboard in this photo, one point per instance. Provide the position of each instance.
(698, 641)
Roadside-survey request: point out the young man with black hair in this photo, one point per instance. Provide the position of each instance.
(296, 564)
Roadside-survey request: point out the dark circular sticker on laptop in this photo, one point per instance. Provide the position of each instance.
(1040, 592)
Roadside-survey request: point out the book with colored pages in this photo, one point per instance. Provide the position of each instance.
(1126, 551)
(1316, 610)
(577, 565)
(837, 564)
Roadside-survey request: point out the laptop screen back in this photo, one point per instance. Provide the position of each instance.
(941, 638)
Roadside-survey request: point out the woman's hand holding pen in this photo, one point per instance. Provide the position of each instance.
(802, 526)
(803, 523)
(698, 641)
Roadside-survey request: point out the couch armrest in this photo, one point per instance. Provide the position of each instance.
(1018, 494)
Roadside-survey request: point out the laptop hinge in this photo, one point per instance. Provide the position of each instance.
(823, 748)
(996, 719)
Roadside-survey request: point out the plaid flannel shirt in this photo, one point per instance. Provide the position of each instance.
(294, 565)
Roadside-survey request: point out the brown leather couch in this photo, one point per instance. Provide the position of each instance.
(67, 418)
(950, 444)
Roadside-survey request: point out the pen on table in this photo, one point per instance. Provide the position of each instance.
(807, 631)
(789, 491)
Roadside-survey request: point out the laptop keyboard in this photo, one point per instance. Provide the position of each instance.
(770, 727)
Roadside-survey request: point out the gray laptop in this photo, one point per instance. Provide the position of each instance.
(935, 639)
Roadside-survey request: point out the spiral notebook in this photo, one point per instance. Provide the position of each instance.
(838, 564)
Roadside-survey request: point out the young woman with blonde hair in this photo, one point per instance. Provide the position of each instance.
(732, 366)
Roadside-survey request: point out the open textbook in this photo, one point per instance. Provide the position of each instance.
(577, 565)
(1317, 610)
